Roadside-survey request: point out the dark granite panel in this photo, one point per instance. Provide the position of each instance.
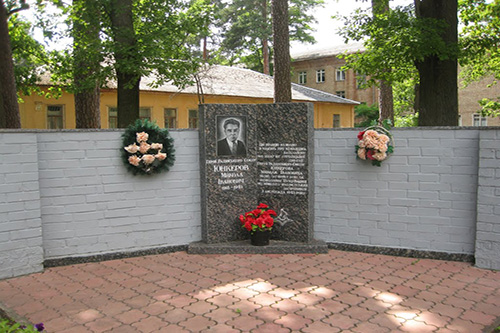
(273, 165)
(285, 168)
(228, 182)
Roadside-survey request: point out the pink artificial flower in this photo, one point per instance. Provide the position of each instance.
(148, 158)
(144, 147)
(362, 153)
(380, 156)
(142, 137)
(132, 148)
(158, 146)
(161, 156)
(134, 160)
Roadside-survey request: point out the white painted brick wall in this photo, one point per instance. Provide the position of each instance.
(71, 188)
(423, 197)
(21, 250)
(488, 202)
(92, 205)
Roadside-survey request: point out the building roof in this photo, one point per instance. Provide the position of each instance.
(234, 81)
(328, 52)
(242, 82)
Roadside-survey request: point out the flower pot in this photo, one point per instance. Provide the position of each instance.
(260, 238)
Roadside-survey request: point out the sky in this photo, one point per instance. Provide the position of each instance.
(326, 28)
(326, 34)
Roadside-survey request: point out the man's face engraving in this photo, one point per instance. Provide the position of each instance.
(232, 132)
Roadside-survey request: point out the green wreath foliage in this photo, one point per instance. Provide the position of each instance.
(146, 148)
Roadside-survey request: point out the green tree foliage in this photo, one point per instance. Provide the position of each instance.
(28, 55)
(9, 109)
(394, 39)
(153, 41)
(399, 40)
(480, 46)
(245, 28)
(365, 115)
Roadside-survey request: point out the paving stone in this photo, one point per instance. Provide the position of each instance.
(293, 322)
(319, 326)
(334, 292)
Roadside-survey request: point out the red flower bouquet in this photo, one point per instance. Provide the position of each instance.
(260, 219)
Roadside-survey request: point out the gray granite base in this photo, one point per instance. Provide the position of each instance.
(111, 256)
(402, 252)
(244, 247)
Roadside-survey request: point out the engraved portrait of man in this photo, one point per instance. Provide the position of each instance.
(231, 143)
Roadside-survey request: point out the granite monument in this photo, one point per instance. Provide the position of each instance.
(251, 154)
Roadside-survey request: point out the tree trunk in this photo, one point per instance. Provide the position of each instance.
(265, 42)
(385, 101)
(126, 59)
(437, 95)
(9, 108)
(87, 93)
(282, 77)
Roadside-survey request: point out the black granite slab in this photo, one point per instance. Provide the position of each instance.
(275, 167)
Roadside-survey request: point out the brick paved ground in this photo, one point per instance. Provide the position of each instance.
(334, 292)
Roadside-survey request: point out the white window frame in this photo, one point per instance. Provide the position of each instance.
(478, 120)
(320, 76)
(340, 74)
(302, 77)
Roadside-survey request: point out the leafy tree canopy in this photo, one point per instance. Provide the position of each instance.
(28, 54)
(162, 28)
(396, 39)
(393, 40)
(480, 45)
(244, 25)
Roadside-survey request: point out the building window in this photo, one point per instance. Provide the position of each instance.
(145, 113)
(340, 74)
(55, 116)
(193, 118)
(113, 117)
(477, 120)
(360, 81)
(170, 118)
(340, 93)
(302, 77)
(336, 121)
(320, 75)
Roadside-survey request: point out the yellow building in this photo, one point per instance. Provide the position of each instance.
(174, 108)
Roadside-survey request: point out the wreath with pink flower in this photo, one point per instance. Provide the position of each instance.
(375, 144)
(147, 149)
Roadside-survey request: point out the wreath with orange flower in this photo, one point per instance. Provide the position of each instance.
(375, 144)
(147, 149)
